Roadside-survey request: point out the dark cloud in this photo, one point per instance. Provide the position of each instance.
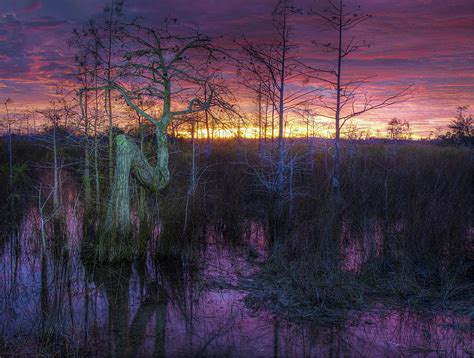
(54, 67)
(13, 48)
(45, 23)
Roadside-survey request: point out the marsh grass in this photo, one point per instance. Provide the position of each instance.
(416, 200)
(406, 208)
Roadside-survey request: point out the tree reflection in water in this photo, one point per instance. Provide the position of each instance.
(54, 303)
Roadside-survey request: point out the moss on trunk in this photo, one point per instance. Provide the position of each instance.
(131, 160)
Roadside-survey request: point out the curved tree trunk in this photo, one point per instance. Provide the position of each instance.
(130, 159)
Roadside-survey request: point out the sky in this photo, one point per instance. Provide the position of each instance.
(427, 44)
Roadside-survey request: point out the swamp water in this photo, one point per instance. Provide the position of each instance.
(53, 303)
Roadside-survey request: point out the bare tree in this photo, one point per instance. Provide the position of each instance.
(348, 102)
(112, 29)
(56, 116)
(44, 217)
(268, 69)
(398, 129)
(160, 62)
(461, 128)
(225, 111)
(83, 77)
(10, 148)
(97, 43)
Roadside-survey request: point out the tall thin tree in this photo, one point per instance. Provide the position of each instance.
(342, 18)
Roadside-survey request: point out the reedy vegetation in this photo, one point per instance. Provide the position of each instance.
(406, 209)
(404, 216)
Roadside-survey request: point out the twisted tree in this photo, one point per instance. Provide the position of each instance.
(162, 66)
(131, 160)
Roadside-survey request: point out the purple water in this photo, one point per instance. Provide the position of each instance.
(55, 305)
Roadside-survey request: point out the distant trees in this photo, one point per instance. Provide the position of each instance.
(461, 128)
(398, 129)
(267, 67)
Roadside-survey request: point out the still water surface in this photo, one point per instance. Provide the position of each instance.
(55, 304)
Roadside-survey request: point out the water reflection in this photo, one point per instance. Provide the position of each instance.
(357, 246)
(53, 303)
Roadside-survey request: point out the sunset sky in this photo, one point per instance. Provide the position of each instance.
(425, 43)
